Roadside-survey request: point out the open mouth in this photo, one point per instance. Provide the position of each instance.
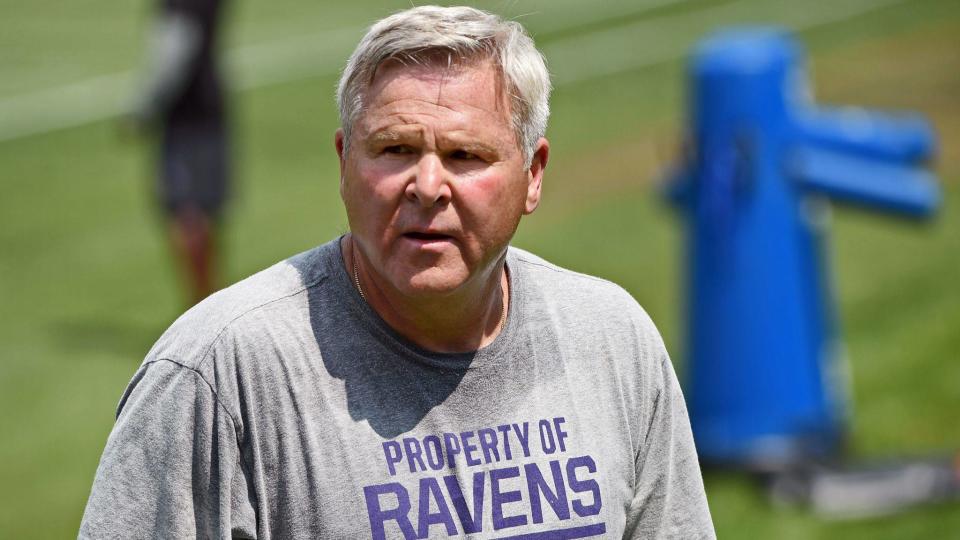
(427, 237)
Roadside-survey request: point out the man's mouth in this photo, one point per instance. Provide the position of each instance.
(427, 237)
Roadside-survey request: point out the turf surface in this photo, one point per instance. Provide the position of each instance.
(87, 284)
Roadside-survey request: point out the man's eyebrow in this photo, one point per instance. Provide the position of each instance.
(384, 135)
(393, 134)
(478, 148)
(473, 146)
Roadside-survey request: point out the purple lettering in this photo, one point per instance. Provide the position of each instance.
(561, 434)
(378, 516)
(430, 489)
(488, 443)
(452, 445)
(413, 453)
(469, 448)
(505, 432)
(498, 498)
(537, 486)
(432, 448)
(393, 457)
(546, 438)
(474, 523)
(524, 437)
(581, 486)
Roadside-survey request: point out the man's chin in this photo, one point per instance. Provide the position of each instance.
(431, 288)
(432, 282)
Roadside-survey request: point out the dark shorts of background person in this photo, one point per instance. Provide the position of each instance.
(194, 168)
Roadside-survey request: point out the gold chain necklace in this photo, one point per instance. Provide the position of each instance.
(356, 281)
(356, 276)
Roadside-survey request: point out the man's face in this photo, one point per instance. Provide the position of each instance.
(434, 182)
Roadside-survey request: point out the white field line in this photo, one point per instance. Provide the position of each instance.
(250, 66)
(288, 59)
(653, 41)
(323, 54)
(578, 58)
(107, 96)
(566, 15)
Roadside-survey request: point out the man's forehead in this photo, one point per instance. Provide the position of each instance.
(438, 63)
(478, 81)
(464, 101)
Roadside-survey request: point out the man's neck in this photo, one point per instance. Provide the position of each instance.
(462, 322)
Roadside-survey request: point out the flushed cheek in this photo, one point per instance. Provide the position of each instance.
(490, 209)
(374, 201)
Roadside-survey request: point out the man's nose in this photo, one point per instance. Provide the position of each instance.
(430, 185)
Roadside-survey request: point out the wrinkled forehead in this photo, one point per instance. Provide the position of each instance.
(439, 65)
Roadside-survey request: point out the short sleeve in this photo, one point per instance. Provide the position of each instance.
(171, 467)
(669, 499)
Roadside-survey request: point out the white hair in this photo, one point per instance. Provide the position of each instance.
(463, 35)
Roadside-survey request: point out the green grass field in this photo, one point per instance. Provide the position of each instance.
(86, 282)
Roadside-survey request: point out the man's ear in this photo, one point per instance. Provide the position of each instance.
(541, 154)
(339, 142)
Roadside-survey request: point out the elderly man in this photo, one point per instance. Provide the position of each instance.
(416, 378)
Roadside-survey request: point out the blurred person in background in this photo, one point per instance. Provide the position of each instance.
(418, 376)
(182, 99)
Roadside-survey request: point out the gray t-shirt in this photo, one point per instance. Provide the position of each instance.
(284, 407)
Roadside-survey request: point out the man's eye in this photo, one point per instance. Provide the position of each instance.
(397, 149)
(463, 154)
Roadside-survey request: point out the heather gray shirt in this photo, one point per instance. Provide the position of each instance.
(284, 407)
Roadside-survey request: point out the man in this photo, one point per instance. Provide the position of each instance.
(416, 378)
(183, 98)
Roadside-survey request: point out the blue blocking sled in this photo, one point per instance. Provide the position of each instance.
(763, 383)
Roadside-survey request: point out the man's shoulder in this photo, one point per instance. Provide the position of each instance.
(560, 282)
(566, 290)
(239, 308)
(590, 312)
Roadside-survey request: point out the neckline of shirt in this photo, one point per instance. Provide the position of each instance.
(390, 338)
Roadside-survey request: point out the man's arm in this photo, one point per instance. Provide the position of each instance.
(171, 466)
(669, 499)
(173, 45)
